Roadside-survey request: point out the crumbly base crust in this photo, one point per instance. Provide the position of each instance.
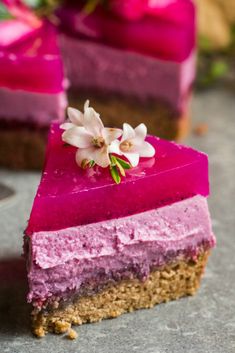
(168, 283)
(22, 147)
(159, 117)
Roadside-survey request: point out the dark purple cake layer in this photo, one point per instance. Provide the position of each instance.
(99, 279)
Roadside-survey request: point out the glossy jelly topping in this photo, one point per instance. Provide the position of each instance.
(70, 196)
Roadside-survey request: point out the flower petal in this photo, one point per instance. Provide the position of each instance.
(111, 134)
(86, 104)
(84, 153)
(66, 126)
(101, 157)
(133, 158)
(146, 150)
(78, 137)
(92, 122)
(140, 133)
(75, 116)
(114, 147)
(128, 132)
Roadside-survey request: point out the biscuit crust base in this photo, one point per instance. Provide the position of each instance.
(171, 282)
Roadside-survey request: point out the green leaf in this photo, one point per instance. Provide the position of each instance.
(121, 169)
(4, 13)
(91, 164)
(115, 175)
(204, 44)
(219, 69)
(118, 165)
(123, 163)
(113, 160)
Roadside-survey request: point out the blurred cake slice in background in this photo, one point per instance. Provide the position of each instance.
(134, 59)
(31, 92)
(133, 62)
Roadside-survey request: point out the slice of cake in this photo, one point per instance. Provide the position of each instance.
(120, 222)
(31, 91)
(133, 62)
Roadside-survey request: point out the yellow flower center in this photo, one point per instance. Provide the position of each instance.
(85, 163)
(98, 142)
(126, 146)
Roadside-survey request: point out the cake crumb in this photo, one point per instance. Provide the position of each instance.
(62, 326)
(39, 332)
(201, 129)
(72, 334)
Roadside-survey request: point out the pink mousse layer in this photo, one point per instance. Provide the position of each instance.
(32, 107)
(103, 69)
(68, 259)
(176, 172)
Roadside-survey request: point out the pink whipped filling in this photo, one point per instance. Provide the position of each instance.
(66, 259)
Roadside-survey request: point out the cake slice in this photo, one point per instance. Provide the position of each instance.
(31, 91)
(133, 65)
(98, 247)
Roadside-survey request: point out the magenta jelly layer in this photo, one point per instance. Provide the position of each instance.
(69, 196)
(166, 33)
(68, 259)
(33, 64)
(32, 107)
(99, 68)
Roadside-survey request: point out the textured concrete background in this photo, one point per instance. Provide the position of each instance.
(204, 323)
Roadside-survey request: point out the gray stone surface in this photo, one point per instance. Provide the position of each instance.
(204, 323)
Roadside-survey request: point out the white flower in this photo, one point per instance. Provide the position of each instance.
(133, 144)
(87, 132)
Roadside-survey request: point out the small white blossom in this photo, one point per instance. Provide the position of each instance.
(132, 144)
(96, 144)
(76, 117)
(87, 132)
